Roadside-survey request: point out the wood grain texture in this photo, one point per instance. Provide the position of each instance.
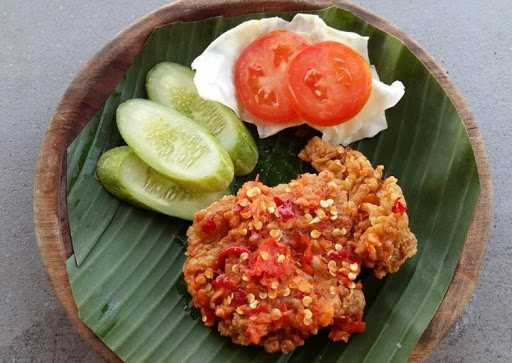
(98, 78)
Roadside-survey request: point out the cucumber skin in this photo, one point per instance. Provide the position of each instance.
(109, 170)
(209, 183)
(243, 151)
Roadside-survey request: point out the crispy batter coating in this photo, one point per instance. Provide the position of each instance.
(274, 265)
(382, 233)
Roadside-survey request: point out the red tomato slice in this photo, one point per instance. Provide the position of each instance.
(330, 83)
(260, 76)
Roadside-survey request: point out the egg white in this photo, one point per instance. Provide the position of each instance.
(214, 76)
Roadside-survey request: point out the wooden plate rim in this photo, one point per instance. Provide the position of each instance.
(98, 78)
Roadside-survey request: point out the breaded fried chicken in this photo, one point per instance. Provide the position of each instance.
(274, 265)
(382, 235)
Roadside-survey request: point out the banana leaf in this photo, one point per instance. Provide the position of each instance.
(126, 269)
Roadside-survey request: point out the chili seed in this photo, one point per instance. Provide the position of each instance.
(331, 265)
(315, 220)
(320, 213)
(258, 225)
(253, 192)
(307, 300)
(275, 314)
(275, 233)
(315, 233)
(208, 273)
(336, 232)
(324, 204)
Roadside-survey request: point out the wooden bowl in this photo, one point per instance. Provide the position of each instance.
(98, 78)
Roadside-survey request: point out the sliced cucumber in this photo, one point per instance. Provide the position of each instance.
(172, 85)
(174, 145)
(127, 177)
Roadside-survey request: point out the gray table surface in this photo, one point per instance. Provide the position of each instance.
(44, 43)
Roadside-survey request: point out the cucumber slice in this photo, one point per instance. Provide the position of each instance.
(127, 177)
(174, 145)
(172, 85)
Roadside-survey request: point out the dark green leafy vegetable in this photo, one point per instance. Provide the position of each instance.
(128, 284)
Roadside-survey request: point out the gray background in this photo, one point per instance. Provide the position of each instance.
(44, 43)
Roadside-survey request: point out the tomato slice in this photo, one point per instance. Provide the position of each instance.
(330, 83)
(260, 76)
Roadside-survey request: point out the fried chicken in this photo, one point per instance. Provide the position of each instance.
(274, 265)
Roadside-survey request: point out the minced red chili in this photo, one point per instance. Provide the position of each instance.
(399, 207)
(344, 255)
(284, 262)
(223, 281)
(351, 325)
(263, 263)
(239, 297)
(261, 308)
(284, 207)
(209, 225)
